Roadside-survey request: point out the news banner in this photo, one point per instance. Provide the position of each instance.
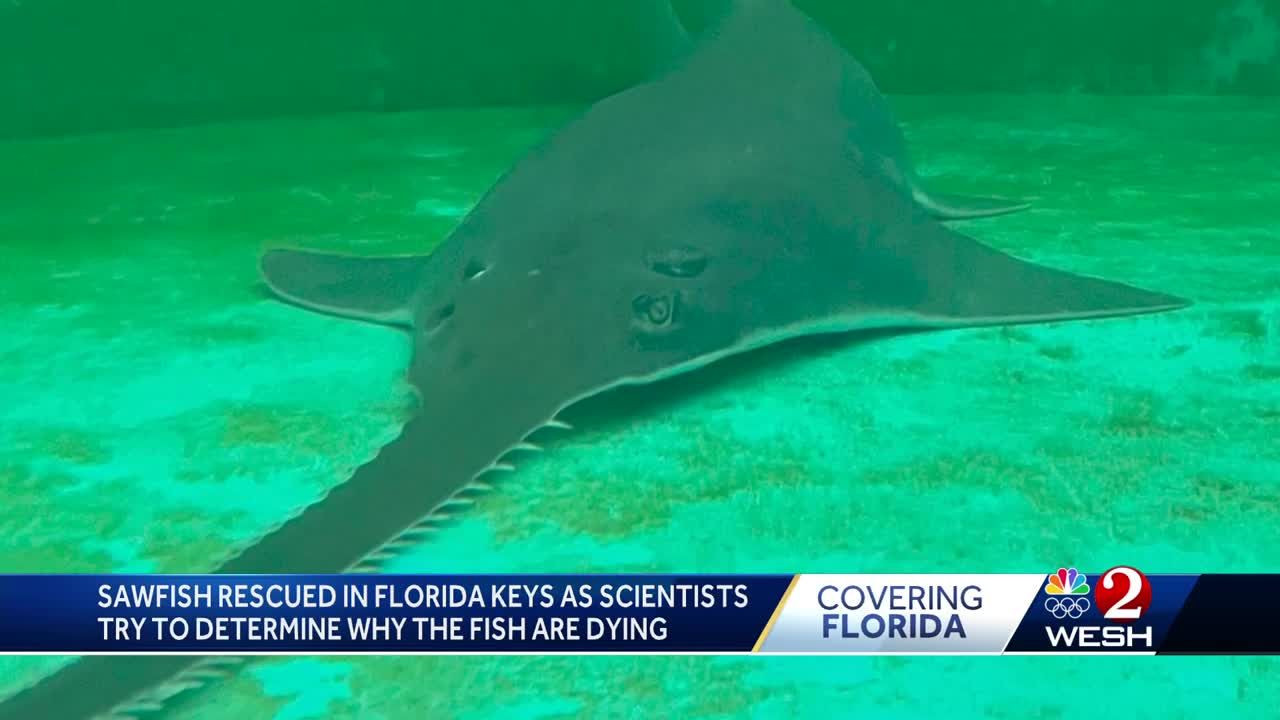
(1121, 610)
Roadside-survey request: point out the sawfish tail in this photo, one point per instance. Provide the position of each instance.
(387, 504)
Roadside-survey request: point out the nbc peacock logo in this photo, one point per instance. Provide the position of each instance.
(1066, 582)
(1067, 591)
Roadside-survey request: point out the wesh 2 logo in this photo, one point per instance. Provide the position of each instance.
(1122, 596)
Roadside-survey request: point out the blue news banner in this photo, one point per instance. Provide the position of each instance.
(1121, 610)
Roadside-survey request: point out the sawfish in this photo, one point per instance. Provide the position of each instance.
(687, 219)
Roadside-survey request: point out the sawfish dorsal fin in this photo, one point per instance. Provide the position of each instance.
(780, 27)
(670, 39)
(372, 289)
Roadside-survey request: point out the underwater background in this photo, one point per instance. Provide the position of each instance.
(157, 411)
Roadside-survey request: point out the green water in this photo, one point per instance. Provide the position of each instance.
(159, 412)
(71, 66)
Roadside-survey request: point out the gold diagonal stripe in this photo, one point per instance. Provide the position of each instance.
(777, 611)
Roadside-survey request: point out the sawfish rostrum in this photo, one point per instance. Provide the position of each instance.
(673, 224)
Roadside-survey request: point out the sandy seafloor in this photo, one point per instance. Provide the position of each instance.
(157, 410)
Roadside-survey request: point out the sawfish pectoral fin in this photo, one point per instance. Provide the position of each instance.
(372, 289)
(945, 206)
(956, 281)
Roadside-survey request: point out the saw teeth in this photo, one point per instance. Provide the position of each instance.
(368, 565)
(220, 667)
(494, 469)
(468, 493)
(213, 668)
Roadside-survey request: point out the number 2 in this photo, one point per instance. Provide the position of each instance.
(1119, 611)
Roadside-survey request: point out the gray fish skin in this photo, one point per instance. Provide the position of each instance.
(797, 44)
(672, 225)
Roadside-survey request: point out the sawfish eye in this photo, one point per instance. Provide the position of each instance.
(659, 311)
(656, 311)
